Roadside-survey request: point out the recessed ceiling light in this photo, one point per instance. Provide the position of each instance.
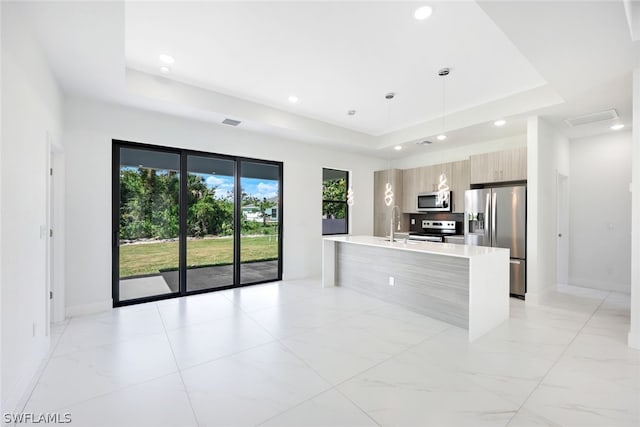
(165, 70)
(398, 147)
(167, 59)
(441, 137)
(351, 112)
(500, 122)
(423, 13)
(617, 126)
(293, 99)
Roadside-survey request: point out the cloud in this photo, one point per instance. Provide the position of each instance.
(267, 190)
(223, 185)
(214, 181)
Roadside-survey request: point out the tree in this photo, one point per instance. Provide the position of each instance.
(150, 201)
(263, 206)
(334, 190)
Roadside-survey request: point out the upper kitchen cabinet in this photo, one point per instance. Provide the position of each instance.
(499, 166)
(426, 179)
(409, 190)
(381, 212)
(459, 184)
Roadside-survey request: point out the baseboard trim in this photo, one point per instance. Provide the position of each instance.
(624, 288)
(96, 307)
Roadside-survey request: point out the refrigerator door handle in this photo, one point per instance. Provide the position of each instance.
(494, 219)
(487, 219)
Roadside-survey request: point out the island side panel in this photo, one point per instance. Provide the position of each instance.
(434, 285)
(328, 263)
(489, 296)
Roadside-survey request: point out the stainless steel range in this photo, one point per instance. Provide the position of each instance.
(434, 231)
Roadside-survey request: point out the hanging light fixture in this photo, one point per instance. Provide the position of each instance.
(388, 193)
(443, 72)
(443, 187)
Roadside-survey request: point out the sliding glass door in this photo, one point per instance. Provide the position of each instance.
(148, 223)
(188, 222)
(260, 223)
(210, 222)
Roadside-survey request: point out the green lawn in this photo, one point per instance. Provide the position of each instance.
(149, 258)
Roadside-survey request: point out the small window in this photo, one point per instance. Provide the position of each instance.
(335, 211)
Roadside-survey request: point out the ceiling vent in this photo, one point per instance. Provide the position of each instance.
(591, 118)
(231, 122)
(425, 142)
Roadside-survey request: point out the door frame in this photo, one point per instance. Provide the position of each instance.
(562, 227)
(182, 239)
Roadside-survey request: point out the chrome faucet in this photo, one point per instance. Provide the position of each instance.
(394, 209)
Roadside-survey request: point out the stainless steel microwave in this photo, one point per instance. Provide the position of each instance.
(430, 202)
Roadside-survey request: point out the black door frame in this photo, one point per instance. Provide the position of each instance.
(182, 239)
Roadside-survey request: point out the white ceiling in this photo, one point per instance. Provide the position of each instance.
(242, 60)
(335, 56)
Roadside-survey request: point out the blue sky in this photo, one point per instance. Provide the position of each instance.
(254, 187)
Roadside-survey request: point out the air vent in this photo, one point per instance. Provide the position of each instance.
(425, 142)
(591, 118)
(231, 122)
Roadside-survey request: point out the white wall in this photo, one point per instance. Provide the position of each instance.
(634, 330)
(434, 157)
(30, 109)
(2, 411)
(600, 206)
(547, 155)
(89, 130)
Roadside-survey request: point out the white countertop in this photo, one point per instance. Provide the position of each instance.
(448, 249)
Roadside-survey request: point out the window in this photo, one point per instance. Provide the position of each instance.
(188, 222)
(335, 211)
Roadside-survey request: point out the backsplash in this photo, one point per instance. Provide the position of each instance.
(437, 216)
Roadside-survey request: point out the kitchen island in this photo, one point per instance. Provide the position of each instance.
(466, 286)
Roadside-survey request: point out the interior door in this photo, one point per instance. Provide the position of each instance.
(563, 229)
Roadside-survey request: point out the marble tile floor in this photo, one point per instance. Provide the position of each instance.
(295, 354)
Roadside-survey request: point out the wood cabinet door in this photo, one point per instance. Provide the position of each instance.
(398, 187)
(447, 170)
(409, 190)
(480, 168)
(499, 166)
(381, 212)
(459, 184)
(424, 180)
(379, 208)
(518, 164)
(511, 165)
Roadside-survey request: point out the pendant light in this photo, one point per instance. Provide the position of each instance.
(443, 188)
(443, 72)
(388, 193)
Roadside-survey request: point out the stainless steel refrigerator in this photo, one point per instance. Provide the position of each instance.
(497, 217)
